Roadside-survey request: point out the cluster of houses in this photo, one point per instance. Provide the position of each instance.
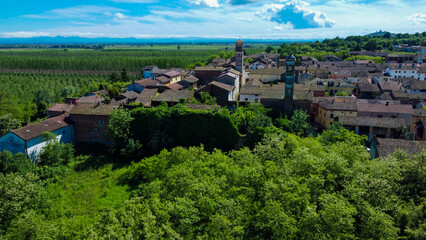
(380, 100)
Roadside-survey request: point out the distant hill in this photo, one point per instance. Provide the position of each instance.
(80, 40)
(379, 34)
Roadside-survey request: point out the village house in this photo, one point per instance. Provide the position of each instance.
(373, 126)
(173, 76)
(140, 85)
(207, 74)
(367, 91)
(148, 71)
(91, 122)
(223, 93)
(270, 95)
(58, 109)
(386, 109)
(332, 110)
(29, 140)
(172, 97)
(190, 81)
(268, 74)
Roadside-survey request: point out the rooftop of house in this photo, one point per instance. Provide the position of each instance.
(386, 147)
(35, 130)
(93, 109)
(92, 99)
(208, 68)
(338, 106)
(390, 85)
(372, 122)
(269, 71)
(223, 86)
(384, 108)
(61, 107)
(174, 86)
(130, 94)
(147, 82)
(173, 95)
(420, 112)
(366, 87)
(418, 85)
(146, 96)
(162, 79)
(386, 96)
(399, 94)
(171, 74)
(191, 79)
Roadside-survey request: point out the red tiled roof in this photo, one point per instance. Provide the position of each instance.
(382, 108)
(61, 107)
(35, 130)
(147, 82)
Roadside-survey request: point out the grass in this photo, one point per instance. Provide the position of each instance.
(80, 196)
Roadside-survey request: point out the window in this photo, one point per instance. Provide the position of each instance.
(63, 132)
(101, 122)
(379, 116)
(393, 116)
(331, 115)
(95, 129)
(246, 99)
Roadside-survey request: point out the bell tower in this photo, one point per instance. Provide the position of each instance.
(239, 56)
(290, 63)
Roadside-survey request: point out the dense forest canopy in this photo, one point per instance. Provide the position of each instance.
(286, 187)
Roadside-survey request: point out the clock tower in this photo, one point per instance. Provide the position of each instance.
(289, 85)
(239, 56)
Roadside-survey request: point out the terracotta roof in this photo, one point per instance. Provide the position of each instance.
(341, 106)
(92, 109)
(61, 107)
(173, 96)
(388, 146)
(386, 96)
(147, 82)
(37, 129)
(130, 94)
(390, 85)
(383, 108)
(174, 86)
(172, 74)
(146, 96)
(192, 79)
(365, 87)
(372, 122)
(269, 71)
(206, 68)
(222, 86)
(163, 79)
(399, 94)
(92, 99)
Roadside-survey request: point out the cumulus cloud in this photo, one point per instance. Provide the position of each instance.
(242, 2)
(295, 13)
(205, 3)
(418, 18)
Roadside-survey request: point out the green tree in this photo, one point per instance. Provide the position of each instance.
(113, 92)
(120, 134)
(124, 75)
(299, 122)
(269, 49)
(18, 163)
(341, 93)
(8, 123)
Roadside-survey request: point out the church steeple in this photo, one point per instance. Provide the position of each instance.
(239, 56)
(289, 85)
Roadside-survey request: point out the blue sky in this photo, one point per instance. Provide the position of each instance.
(272, 19)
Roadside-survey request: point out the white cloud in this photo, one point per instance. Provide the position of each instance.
(119, 15)
(418, 18)
(24, 34)
(205, 3)
(297, 14)
(78, 12)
